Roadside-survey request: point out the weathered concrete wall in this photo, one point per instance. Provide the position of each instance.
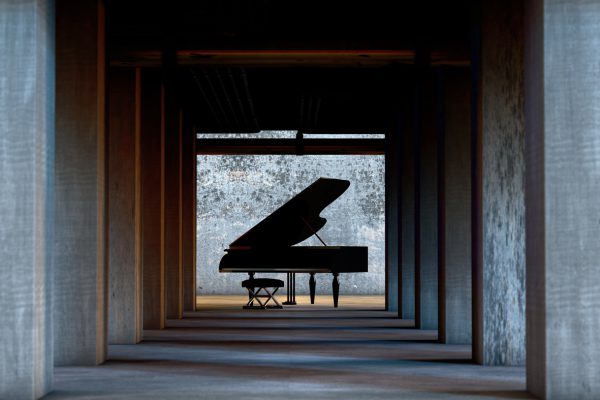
(503, 192)
(236, 192)
(563, 188)
(80, 287)
(124, 234)
(152, 205)
(26, 204)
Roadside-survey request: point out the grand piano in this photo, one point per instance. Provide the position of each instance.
(269, 245)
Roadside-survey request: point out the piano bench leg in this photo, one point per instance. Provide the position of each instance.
(256, 296)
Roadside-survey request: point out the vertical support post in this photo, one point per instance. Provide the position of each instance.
(173, 169)
(188, 212)
(563, 187)
(499, 320)
(124, 252)
(80, 270)
(454, 280)
(26, 201)
(152, 207)
(392, 213)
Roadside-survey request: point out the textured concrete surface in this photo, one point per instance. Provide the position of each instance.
(426, 272)
(236, 192)
(503, 192)
(356, 352)
(455, 271)
(153, 180)
(408, 218)
(392, 214)
(80, 287)
(124, 233)
(172, 198)
(563, 187)
(26, 203)
(188, 213)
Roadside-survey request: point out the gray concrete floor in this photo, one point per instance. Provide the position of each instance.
(358, 351)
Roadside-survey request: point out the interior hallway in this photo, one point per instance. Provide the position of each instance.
(355, 352)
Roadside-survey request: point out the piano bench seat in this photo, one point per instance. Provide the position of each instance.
(259, 289)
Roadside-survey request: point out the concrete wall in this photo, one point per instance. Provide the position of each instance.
(563, 188)
(124, 187)
(236, 192)
(502, 188)
(26, 204)
(80, 273)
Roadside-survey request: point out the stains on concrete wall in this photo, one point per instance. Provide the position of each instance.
(503, 185)
(236, 192)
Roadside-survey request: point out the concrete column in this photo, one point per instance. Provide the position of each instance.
(26, 204)
(392, 214)
(80, 273)
(152, 204)
(499, 321)
(407, 208)
(563, 187)
(426, 271)
(173, 209)
(124, 190)
(189, 214)
(455, 210)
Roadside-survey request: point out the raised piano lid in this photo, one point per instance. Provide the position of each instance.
(292, 222)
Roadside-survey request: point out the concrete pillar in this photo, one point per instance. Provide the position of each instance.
(173, 197)
(499, 321)
(124, 190)
(80, 273)
(426, 271)
(26, 204)
(562, 100)
(392, 214)
(152, 199)
(455, 210)
(189, 214)
(407, 208)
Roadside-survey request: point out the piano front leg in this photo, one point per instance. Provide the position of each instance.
(312, 285)
(336, 289)
(250, 276)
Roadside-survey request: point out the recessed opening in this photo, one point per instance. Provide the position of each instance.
(235, 192)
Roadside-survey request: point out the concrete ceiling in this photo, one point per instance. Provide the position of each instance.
(320, 66)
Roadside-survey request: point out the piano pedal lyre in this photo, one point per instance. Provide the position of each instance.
(263, 299)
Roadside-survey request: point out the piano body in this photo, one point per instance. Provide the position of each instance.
(269, 245)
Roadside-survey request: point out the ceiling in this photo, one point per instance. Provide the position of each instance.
(316, 66)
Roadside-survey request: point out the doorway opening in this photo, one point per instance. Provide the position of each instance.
(236, 191)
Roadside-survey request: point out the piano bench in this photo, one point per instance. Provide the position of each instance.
(263, 284)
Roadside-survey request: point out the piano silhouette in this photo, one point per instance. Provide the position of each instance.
(269, 245)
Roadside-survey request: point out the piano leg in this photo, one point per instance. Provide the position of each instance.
(312, 284)
(291, 289)
(336, 289)
(250, 276)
